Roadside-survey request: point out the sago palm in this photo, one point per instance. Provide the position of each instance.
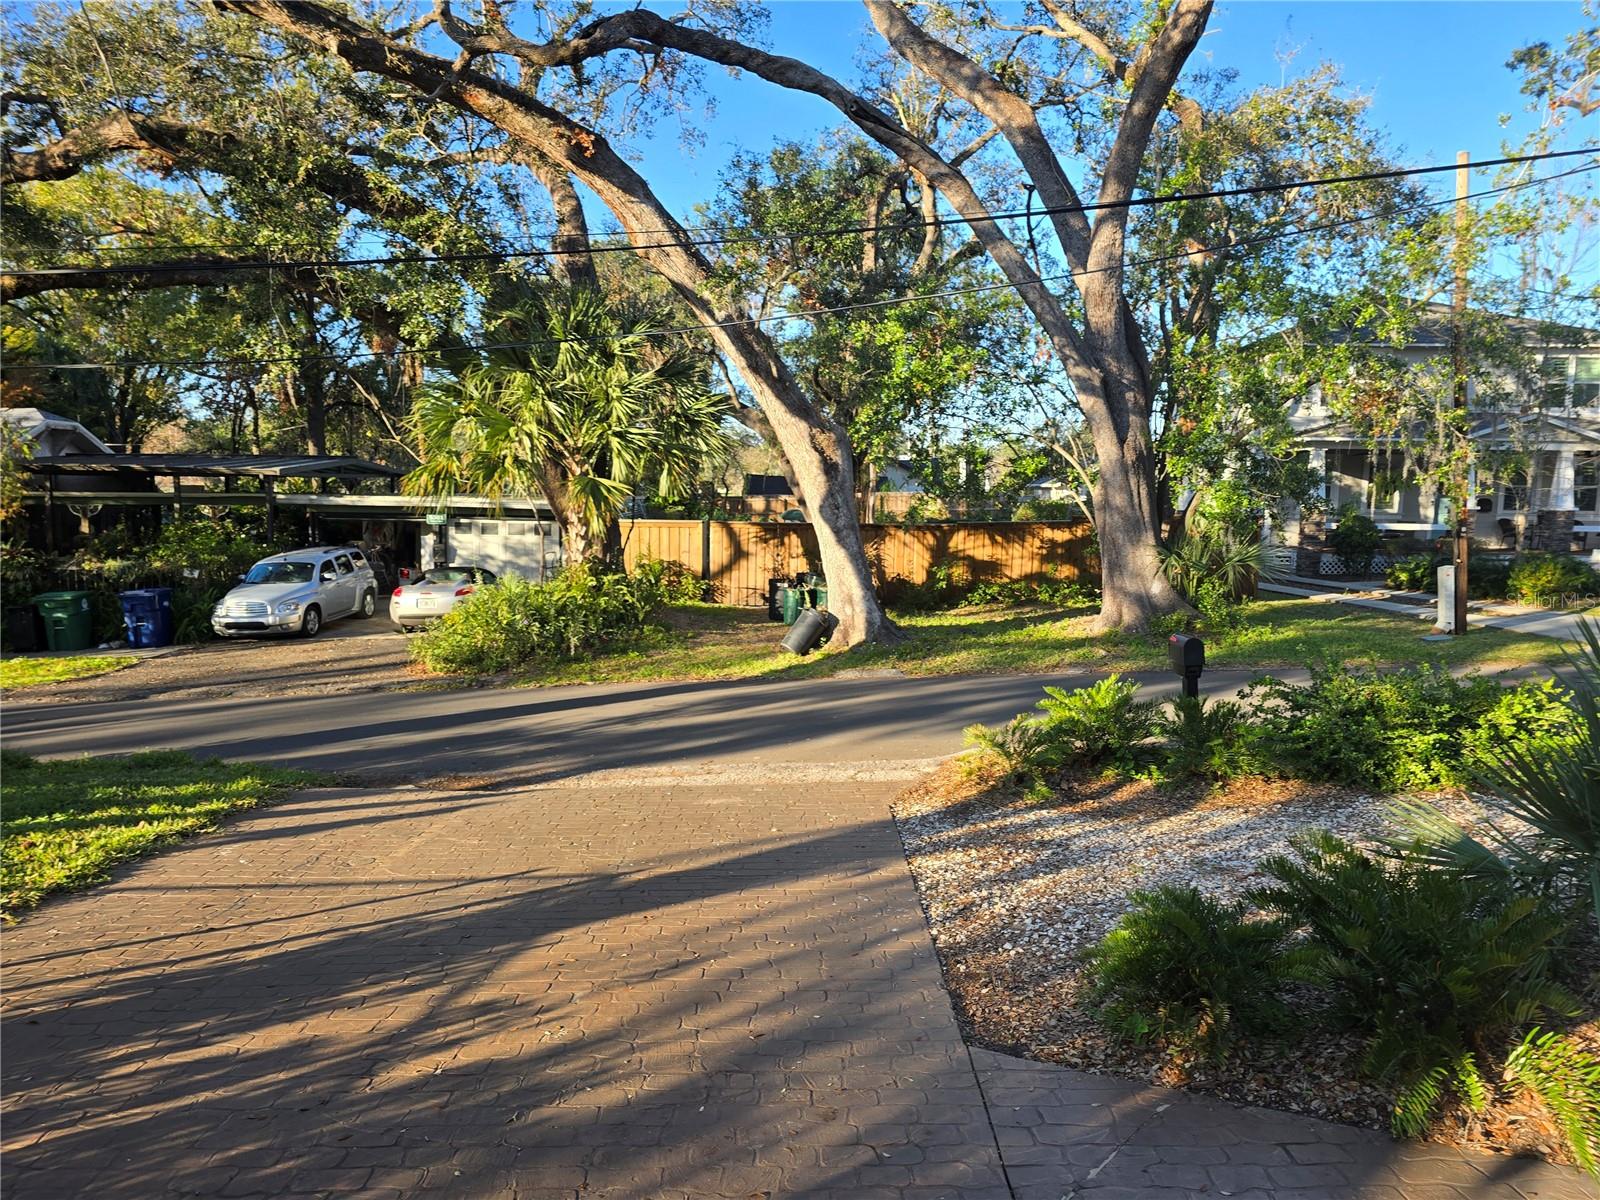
(577, 403)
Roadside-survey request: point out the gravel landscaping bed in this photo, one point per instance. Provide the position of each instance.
(1016, 891)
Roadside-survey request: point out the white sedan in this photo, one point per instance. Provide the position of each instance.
(430, 595)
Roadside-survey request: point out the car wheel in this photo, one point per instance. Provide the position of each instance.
(311, 623)
(369, 604)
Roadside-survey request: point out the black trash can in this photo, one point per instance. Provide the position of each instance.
(24, 629)
(147, 614)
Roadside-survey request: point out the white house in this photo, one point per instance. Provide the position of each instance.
(1553, 427)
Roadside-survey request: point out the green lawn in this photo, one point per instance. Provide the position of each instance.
(28, 672)
(65, 823)
(709, 642)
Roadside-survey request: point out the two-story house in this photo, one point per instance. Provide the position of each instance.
(1539, 445)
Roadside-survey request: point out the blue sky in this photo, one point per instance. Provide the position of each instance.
(1435, 71)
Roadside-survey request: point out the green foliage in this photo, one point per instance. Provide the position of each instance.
(1431, 965)
(1058, 593)
(1489, 576)
(1100, 724)
(1414, 573)
(1048, 510)
(67, 822)
(579, 613)
(1356, 540)
(578, 403)
(1551, 580)
(1388, 730)
(1189, 971)
(1542, 788)
(1522, 717)
(672, 581)
(1024, 748)
(1209, 740)
(1217, 558)
(1566, 1079)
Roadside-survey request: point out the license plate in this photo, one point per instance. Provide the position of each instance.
(424, 602)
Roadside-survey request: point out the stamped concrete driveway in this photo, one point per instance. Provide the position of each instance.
(699, 970)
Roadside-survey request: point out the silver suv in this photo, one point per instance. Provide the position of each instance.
(298, 592)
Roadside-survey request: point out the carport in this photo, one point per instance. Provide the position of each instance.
(73, 479)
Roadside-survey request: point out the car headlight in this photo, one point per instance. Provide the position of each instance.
(287, 607)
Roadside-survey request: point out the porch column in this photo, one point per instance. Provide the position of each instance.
(1317, 460)
(1563, 482)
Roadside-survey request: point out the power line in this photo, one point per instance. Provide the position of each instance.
(813, 314)
(270, 264)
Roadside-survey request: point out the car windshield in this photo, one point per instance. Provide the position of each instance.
(279, 572)
(447, 575)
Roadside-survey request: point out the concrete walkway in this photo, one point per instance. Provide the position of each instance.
(1492, 614)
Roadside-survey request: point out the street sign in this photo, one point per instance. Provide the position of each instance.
(437, 518)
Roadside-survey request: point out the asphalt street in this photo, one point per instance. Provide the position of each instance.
(527, 735)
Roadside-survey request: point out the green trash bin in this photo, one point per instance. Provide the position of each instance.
(819, 596)
(68, 620)
(794, 599)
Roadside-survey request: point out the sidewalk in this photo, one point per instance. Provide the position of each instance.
(676, 984)
(1518, 618)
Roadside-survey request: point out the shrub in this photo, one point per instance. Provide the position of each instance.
(1431, 965)
(1356, 540)
(1056, 592)
(580, 612)
(1215, 556)
(1522, 717)
(1415, 573)
(1547, 784)
(1553, 580)
(671, 582)
(1488, 576)
(1023, 748)
(1101, 723)
(1183, 968)
(1209, 741)
(1381, 729)
(1566, 1079)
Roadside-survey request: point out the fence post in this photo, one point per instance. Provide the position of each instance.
(705, 559)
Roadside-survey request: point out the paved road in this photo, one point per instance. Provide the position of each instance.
(535, 734)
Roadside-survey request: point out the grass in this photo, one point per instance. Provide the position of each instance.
(30, 672)
(65, 823)
(710, 642)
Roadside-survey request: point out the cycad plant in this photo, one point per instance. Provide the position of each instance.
(1434, 966)
(576, 403)
(1543, 831)
(1214, 554)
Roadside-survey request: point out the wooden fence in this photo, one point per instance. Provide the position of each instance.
(739, 557)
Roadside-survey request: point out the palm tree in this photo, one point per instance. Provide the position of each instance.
(575, 402)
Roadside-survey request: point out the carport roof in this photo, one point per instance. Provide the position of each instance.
(255, 466)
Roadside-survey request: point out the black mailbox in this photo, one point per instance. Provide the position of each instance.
(1188, 658)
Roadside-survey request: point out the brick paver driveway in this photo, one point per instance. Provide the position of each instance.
(712, 986)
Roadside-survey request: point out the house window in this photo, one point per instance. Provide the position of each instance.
(1553, 382)
(1586, 478)
(1514, 496)
(1586, 382)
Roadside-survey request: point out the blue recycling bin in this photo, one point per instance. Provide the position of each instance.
(147, 614)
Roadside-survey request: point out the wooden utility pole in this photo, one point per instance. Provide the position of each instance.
(1465, 512)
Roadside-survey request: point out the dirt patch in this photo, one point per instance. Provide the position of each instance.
(1016, 892)
(350, 656)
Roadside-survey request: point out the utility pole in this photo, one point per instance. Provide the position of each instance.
(1465, 513)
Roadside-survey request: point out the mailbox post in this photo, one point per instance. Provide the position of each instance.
(1188, 658)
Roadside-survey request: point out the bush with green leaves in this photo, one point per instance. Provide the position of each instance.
(1551, 580)
(1388, 730)
(671, 581)
(1432, 966)
(1048, 510)
(1356, 539)
(1542, 793)
(1216, 558)
(513, 623)
(1101, 724)
(1186, 970)
(1414, 573)
(1212, 740)
(1022, 749)
(1488, 576)
(1566, 1080)
(1062, 593)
